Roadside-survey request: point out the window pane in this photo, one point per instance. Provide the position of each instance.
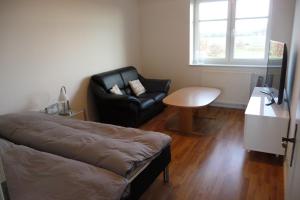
(252, 8)
(250, 38)
(212, 39)
(213, 10)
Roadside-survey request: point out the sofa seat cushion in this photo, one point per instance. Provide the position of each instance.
(146, 102)
(156, 96)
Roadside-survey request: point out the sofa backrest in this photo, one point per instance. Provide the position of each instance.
(128, 74)
(121, 77)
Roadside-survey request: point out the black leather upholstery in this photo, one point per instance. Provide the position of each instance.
(127, 109)
(156, 96)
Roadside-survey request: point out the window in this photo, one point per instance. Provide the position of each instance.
(229, 31)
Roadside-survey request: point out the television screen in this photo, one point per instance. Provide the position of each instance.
(276, 70)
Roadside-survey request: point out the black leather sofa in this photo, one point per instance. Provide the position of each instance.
(127, 109)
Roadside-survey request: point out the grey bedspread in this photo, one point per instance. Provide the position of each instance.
(114, 148)
(35, 175)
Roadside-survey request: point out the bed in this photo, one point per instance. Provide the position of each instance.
(135, 155)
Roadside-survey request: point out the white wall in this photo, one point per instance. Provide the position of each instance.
(165, 49)
(45, 44)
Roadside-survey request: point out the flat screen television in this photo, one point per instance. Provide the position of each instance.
(276, 71)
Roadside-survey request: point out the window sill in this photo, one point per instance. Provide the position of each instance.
(228, 65)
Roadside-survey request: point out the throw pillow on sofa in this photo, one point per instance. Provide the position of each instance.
(137, 87)
(116, 90)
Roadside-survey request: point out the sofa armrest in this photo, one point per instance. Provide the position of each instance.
(155, 85)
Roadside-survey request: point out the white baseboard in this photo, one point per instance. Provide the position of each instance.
(229, 105)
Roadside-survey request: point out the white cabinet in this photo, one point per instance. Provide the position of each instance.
(265, 125)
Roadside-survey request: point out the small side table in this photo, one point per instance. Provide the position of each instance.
(54, 110)
(75, 113)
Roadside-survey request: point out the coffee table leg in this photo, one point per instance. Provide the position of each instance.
(186, 120)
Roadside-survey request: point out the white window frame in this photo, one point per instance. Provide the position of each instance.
(231, 18)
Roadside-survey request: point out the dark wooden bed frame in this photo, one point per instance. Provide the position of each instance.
(141, 183)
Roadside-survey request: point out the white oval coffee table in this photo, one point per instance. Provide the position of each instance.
(187, 99)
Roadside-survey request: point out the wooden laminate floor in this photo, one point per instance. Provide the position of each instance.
(214, 165)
